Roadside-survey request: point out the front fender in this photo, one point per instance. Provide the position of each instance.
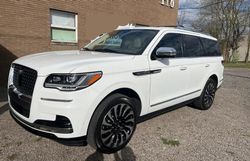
(110, 89)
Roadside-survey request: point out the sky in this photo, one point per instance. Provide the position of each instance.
(191, 14)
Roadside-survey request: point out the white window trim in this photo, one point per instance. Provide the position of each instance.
(63, 27)
(67, 28)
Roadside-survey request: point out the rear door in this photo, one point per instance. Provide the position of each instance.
(198, 65)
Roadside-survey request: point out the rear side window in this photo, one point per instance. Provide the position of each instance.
(170, 40)
(211, 47)
(192, 46)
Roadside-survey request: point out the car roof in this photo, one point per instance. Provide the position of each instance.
(170, 29)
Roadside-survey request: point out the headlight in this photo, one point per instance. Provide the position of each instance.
(71, 82)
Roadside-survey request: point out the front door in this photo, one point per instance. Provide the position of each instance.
(169, 84)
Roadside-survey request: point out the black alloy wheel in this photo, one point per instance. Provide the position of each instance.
(209, 94)
(205, 101)
(113, 123)
(117, 125)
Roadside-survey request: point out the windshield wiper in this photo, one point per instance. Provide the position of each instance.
(86, 49)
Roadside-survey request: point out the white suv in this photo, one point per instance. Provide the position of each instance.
(100, 92)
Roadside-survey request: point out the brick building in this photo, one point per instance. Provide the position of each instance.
(28, 27)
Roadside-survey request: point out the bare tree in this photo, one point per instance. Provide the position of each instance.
(181, 18)
(224, 19)
(248, 37)
(248, 47)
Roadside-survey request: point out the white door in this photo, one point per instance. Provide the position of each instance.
(198, 64)
(170, 79)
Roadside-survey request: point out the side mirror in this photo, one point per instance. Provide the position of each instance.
(165, 52)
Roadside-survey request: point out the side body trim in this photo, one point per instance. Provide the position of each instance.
(175, 98)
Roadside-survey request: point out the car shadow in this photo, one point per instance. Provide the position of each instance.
(126, 154)
(3, 94)
(96, 156)
(163, 111)
(4, 108)
(6, 58)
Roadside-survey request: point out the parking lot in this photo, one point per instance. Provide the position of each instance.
(221, 133)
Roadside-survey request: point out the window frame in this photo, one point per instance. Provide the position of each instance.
(152, 55)
(63, 27)
(201, 46)
(164, 33)
(204, 47)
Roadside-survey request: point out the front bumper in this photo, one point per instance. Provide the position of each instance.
(47, 106)
(42, 126)
(79, 141)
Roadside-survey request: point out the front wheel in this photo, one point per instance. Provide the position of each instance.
(205, 101)
(112, 124)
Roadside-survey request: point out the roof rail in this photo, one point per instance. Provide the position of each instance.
(192, 30)
(130, 26)
(167, 26)
(141, 25)
(181, 27)
(176, 26)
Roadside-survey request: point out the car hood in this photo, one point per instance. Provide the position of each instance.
(68, 61)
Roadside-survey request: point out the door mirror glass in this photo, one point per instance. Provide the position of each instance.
(165, 52)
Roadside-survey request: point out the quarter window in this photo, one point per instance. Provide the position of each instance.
(170, 40)
(192, 46)
(211, 47)
(63, 26)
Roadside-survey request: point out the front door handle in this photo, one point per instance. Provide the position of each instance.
(207, 65)
(183, 68)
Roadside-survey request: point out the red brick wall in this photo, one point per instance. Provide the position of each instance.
(25, 25)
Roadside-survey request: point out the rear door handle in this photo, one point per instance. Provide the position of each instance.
(183, 68)
(207, 65)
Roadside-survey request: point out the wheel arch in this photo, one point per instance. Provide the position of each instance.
(214, 77)
(130, 93)
(122, 90)
(125, 91)
(98, 112)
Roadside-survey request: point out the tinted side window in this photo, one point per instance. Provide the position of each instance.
(170, 40)
(211, 47)
(192, 46)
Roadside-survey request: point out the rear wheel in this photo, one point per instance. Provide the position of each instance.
(205, 101)
(112, 124)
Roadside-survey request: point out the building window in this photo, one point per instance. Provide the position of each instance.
(63, 26)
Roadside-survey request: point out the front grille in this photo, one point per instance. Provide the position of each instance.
(24, 79)
(20, 93)
(20, 103)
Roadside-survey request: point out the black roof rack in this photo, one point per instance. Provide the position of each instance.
(174, 26)
(142, 25)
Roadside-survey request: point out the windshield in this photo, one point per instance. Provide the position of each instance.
(131, 42)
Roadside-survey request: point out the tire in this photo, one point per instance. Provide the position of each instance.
(112, 124)
(205, 101)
